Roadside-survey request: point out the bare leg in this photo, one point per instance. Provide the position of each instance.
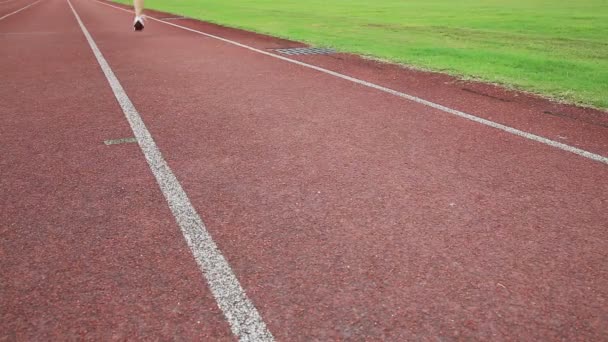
(139, 7)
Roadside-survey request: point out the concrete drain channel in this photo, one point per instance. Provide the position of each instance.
(305, 51)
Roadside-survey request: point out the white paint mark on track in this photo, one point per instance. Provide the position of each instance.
(244, 319)
(120, 141)
(21, 9)
(173, 18)
(508, 129)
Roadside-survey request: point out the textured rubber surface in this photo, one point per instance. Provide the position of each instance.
(346, 213)
(88, 247)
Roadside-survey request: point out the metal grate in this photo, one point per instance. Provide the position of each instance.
(306, 51)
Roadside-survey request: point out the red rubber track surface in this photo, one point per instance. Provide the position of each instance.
(346, 213)
(10, 6)
(88, 246)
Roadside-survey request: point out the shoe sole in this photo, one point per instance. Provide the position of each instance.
(138, 26)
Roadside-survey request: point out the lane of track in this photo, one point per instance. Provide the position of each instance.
(346, 212)
(242, 315)
(88, 247)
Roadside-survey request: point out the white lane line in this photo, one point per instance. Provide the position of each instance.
(244, 319)
(21, 9)
(523, 134)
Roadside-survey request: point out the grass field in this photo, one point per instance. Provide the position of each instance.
(554, 47)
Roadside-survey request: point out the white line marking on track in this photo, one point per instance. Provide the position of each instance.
(21, 9)
(471, 117)
(244, 319)
(173, 18)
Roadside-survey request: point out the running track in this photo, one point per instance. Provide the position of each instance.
(340, 210)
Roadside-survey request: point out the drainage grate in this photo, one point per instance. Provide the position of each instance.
(306, 51)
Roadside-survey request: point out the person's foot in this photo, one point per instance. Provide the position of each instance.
(138, 23)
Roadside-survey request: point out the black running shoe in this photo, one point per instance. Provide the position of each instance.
(138, 23)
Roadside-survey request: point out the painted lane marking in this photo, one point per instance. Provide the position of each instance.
(244, 319)
(471, 117)
(21, 9)
(120, 141)
(173, 18)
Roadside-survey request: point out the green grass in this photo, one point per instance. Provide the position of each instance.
(558, 48)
